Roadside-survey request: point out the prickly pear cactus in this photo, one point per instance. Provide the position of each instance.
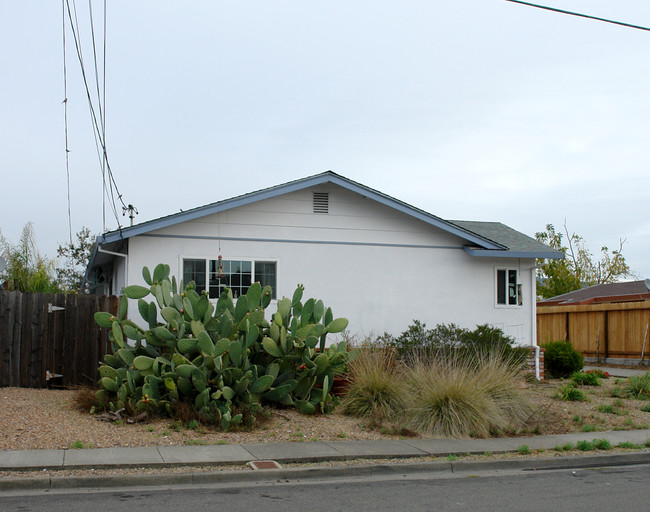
(226, 360)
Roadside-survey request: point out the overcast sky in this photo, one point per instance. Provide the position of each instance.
(469, 109)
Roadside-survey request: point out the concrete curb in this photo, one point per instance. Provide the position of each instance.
(295, 474)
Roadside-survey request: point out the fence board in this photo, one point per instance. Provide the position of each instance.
(25, 340)
(8, 313)
(37, 323)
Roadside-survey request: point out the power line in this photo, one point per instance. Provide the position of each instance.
(579, 15)
(100, 96)
(65, 120)
(98, 126)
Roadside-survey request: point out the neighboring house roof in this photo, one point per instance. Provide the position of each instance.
(630, 291)
(484, 238)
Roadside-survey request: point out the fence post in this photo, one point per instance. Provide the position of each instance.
(606, 336)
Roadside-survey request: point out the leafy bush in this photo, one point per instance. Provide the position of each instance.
(569, 393)
(599, 373)
(617, 392)
(524, 449)
(457, 397)
(585, 379)
(638, 386)
(602, 444)
(377, 387)
(561, 359)
(585, 446)
(223, 361)
(452, 339)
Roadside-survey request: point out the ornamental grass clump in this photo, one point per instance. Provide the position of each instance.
(377, 388)
(478, 395)
(638, 386)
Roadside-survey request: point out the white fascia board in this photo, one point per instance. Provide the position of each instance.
(482, 253)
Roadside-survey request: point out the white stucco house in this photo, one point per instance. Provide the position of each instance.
(374, 259)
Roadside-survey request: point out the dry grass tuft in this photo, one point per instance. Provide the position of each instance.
(377, 389)
(184, 412)
(477, 396)
(84, 400)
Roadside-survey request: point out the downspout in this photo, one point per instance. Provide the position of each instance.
(533, 326)
(122, 255)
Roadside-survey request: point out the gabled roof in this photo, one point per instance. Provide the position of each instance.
(292, 186)
(629, 291)
(483, 238)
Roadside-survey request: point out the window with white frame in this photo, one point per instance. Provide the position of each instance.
(234, 274)
(507, 287)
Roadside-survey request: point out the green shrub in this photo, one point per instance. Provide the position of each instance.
(459, 397)
(629, 444)
(613, 409)
(567, 447)
(646, 408)
(561, 360)
(524, 449)
(599, 373)
(569, 393)
(584, 446)
(377, 388)
(451, 339)
(638, 386)
(585, 379)
(617, 392)
(601, 444)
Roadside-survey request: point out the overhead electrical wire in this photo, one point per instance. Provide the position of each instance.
(101, 107)
(99, 125)
(65, 121)
(562, 11)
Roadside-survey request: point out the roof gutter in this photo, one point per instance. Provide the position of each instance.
(492, 253)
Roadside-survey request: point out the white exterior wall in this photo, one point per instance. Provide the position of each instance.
(372, 264)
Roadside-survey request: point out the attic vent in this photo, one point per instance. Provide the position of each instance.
(321, 202)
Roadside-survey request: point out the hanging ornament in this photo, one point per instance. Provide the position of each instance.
(220, 268)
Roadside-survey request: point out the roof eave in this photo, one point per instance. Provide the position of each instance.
(482, 253)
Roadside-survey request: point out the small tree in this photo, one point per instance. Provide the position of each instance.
(77, 254)
(26, 270)
(578, 268)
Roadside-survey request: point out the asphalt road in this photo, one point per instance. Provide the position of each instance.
(609, 489)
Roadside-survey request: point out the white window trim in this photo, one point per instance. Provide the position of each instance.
(184, 257)
(519, 288)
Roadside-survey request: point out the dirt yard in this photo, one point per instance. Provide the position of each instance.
(48, 419)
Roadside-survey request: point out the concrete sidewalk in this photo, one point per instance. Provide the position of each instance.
(295, 452)
(618, 372)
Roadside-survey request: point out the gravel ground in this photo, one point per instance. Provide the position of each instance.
(47, 419)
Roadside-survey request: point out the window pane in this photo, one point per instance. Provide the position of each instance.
(194, 270)
(512, 287)
(501, 287)
(265, 273)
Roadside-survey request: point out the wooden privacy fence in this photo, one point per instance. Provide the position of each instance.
(56, 333)
(605, 331)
